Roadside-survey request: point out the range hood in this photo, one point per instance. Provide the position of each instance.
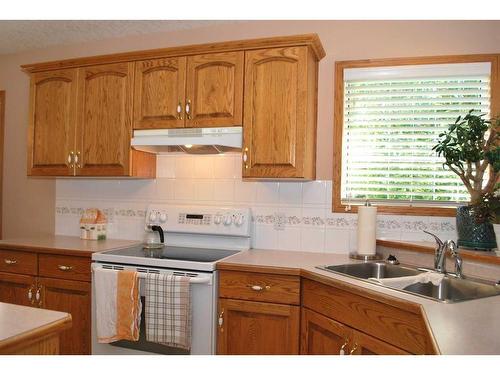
(189, 140)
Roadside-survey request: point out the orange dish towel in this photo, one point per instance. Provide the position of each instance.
(118, 305)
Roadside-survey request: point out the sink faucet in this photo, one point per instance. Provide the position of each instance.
(453, 249)
(440, 255)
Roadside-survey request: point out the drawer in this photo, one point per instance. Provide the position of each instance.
(18, 262)
(64, 267)
(260, 287)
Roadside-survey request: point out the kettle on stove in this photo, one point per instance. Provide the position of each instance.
(154, 239)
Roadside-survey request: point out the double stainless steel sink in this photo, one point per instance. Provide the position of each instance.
(450, 289)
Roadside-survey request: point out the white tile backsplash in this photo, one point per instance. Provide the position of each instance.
(312, 239)
(290, 193)
(286, 215)
(314, 192)
(268, 192)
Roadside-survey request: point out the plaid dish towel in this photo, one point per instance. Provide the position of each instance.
(168, 310)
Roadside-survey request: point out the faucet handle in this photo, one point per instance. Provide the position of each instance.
(452, 246)
(438, 240)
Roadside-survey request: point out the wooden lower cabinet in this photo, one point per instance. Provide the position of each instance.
(322, 335)
(367, 345)
(16, 288)
(247, 327)
(72, 297)
(61, 292)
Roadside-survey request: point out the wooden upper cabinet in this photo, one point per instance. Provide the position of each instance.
(51, 134)
(159, 92)
(214, 89)
(280, 113)
(104, 126)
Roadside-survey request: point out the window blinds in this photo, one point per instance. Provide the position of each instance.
(393, 117)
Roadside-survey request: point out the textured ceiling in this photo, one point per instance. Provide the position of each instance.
(18, 36)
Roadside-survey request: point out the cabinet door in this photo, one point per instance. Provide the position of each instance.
(159, 92)
(72, 297)
(257, 328)
(322, 335)
(104, 123)
(16, 289)
(275, 112)
(368, 345)
(214, 92)
(51, 135)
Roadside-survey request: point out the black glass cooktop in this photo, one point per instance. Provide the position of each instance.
(175, 253)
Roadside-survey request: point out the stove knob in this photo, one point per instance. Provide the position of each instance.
(163, 217)
(217, 219)
(228, 219)
(239, 220)
(153, 216)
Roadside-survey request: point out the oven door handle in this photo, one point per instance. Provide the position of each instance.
(142, 275)
(192, 280)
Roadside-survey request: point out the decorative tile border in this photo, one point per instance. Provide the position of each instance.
(349, 221)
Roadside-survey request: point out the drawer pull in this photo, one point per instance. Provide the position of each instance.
(64, 268)
(259, 288)
(10, 261)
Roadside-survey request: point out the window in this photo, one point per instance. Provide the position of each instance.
(390, 118)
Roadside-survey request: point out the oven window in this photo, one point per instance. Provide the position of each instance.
(146, 346)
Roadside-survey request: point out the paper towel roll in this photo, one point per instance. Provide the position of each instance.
(367, 230)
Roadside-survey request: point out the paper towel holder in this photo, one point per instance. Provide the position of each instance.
(365, 257)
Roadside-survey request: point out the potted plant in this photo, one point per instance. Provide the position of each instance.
(489, 210)
(470, 149)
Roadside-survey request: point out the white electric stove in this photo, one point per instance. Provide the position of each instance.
(196, 237)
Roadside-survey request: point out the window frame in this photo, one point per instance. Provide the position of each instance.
(338, 122)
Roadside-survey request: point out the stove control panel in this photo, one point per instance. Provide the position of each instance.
(230, 221)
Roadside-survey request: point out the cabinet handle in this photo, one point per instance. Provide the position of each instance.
(77, 160)
(38, 296)
(353, 349)
(71, 159)
(64, 268)
(30, 294)
(221, 318)
(245, 157)
(10, 261)
(188, 109)
(179, 111)
(259, 288)
(342, 348)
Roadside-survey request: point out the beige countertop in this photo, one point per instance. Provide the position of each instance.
(66, 245)
(469, 327)
(22, 323)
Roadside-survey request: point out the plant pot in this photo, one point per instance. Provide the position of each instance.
(496, 229)
(472, 233)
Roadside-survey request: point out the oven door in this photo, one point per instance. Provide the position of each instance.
(203, 297)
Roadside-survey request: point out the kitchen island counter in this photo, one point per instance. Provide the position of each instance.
(29, 330)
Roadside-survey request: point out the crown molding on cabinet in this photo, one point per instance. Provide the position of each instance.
(310, 40)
